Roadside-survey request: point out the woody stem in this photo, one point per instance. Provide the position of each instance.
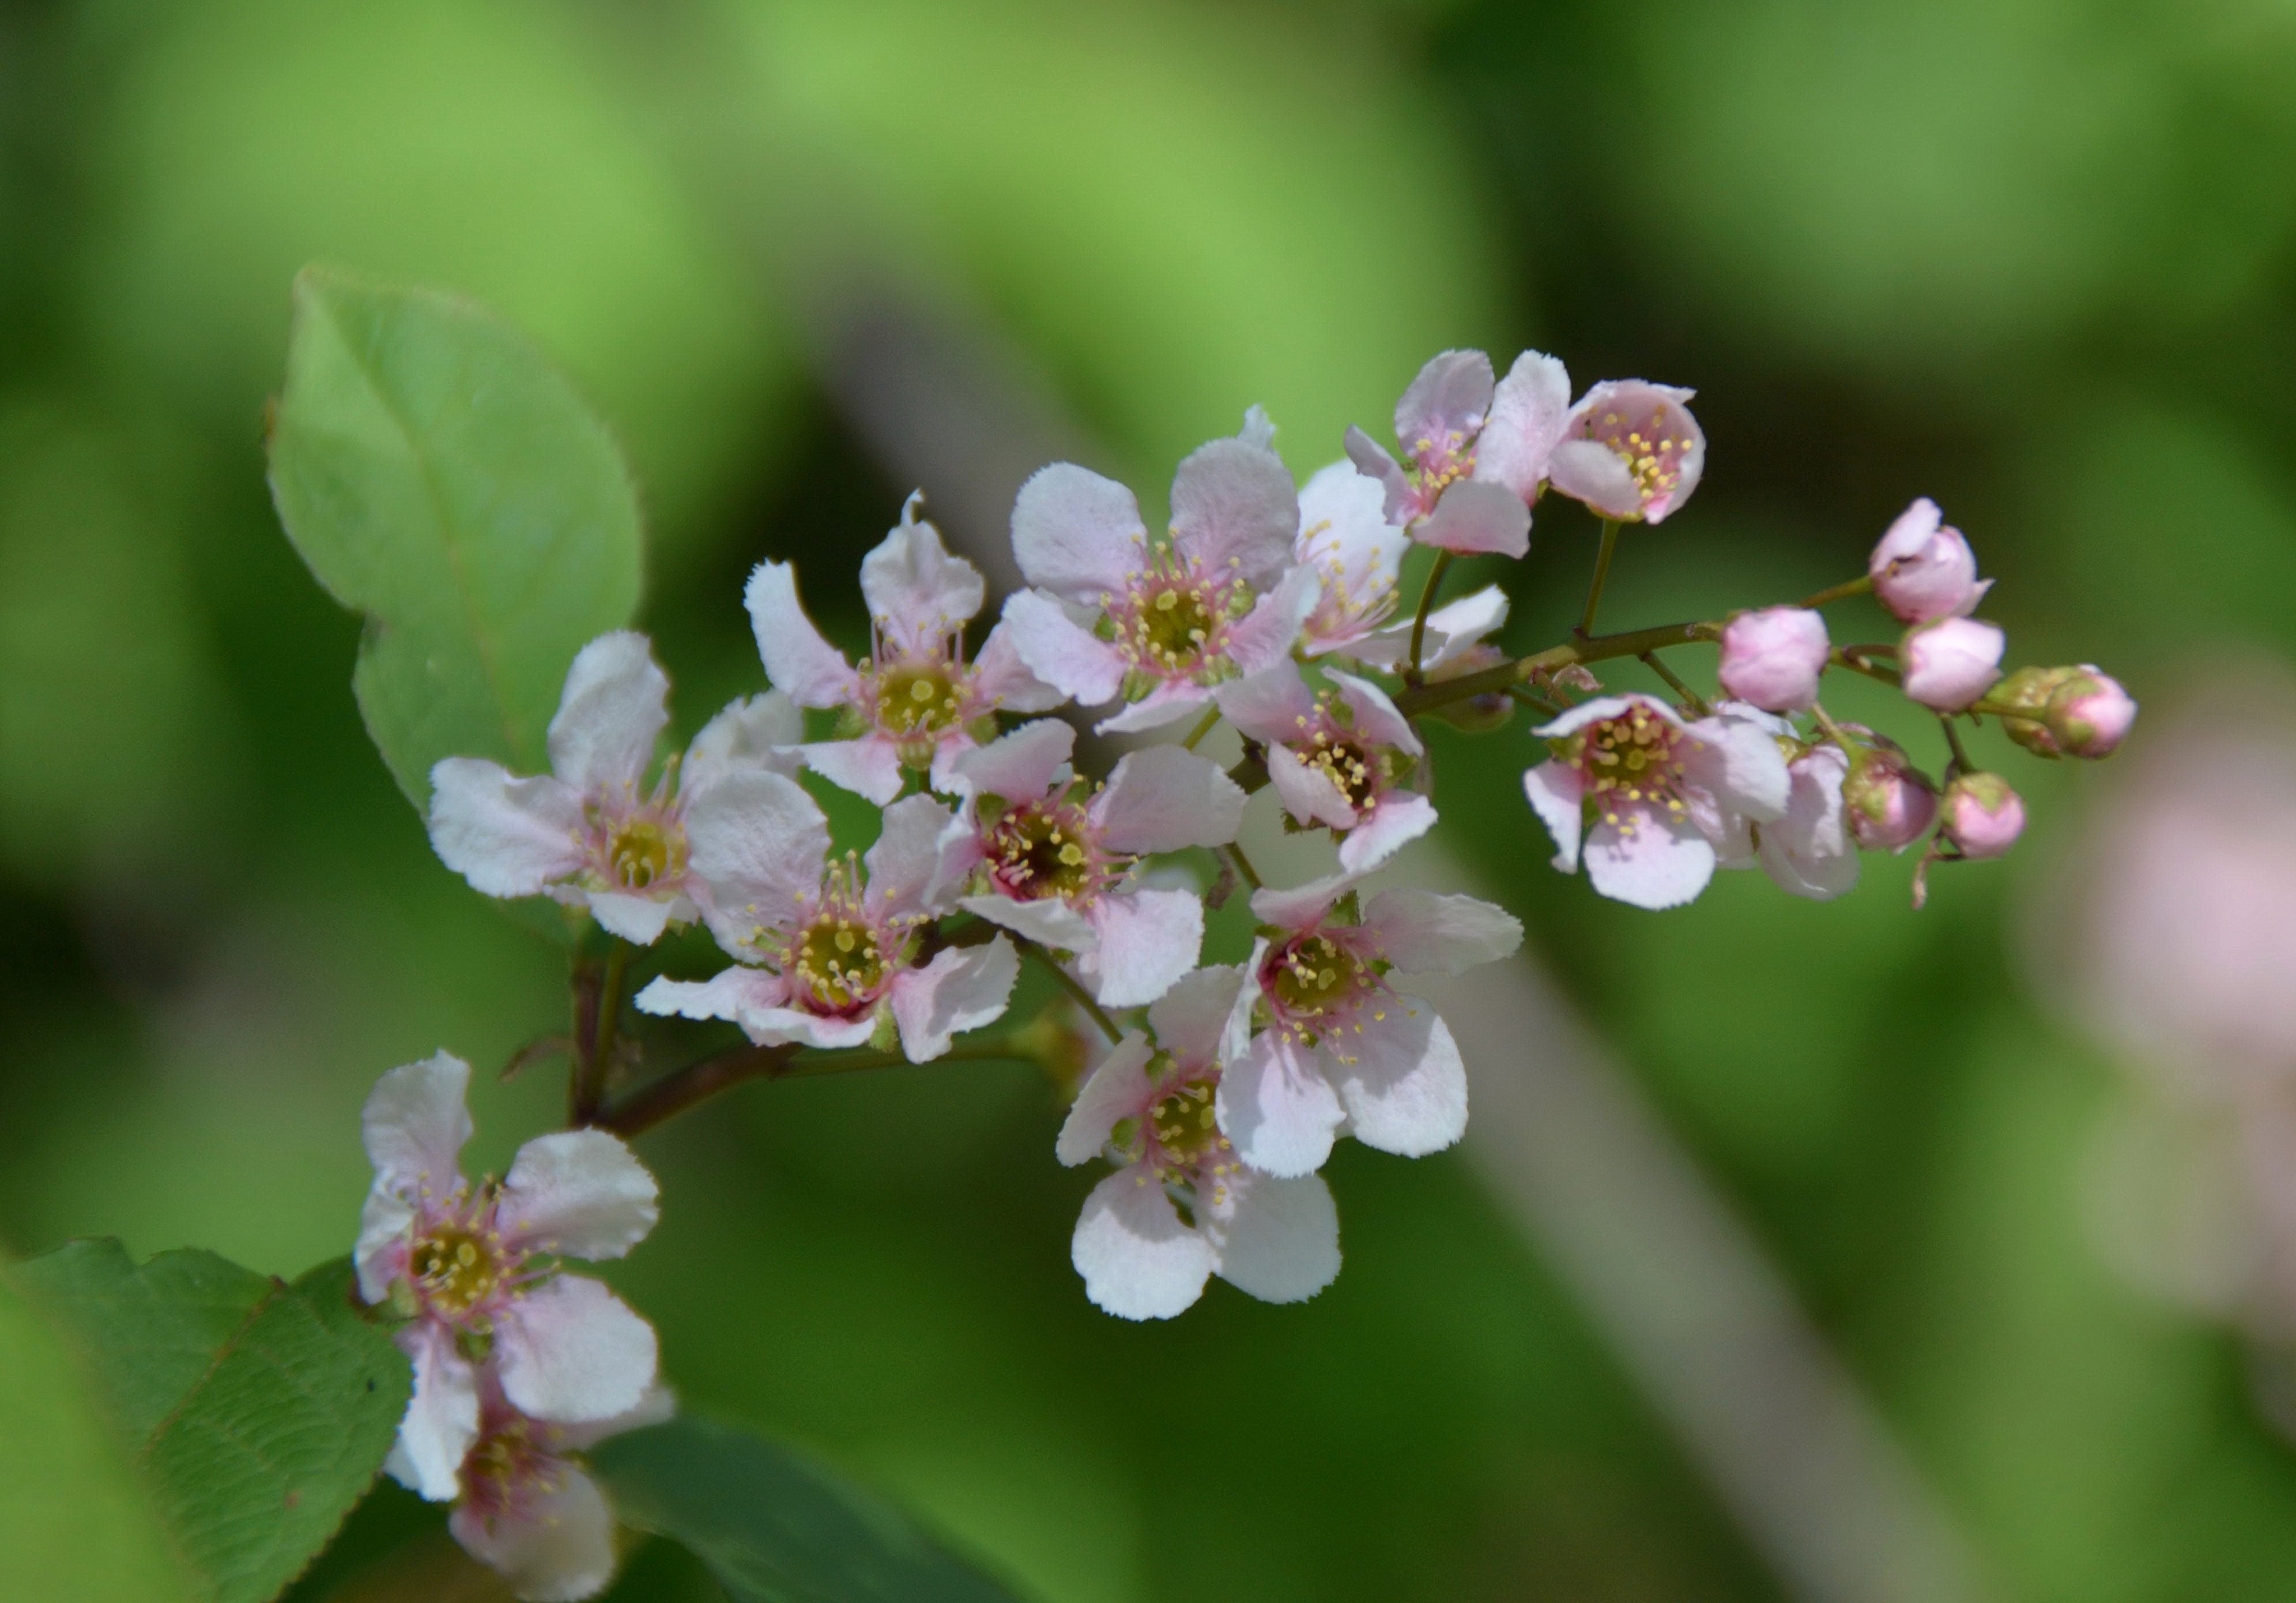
(1416, 699)
(698, 1081)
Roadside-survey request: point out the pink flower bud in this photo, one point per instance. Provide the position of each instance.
(1773, 658)
(1923, 569)
(1947, 664)
(1891, 802)
(1982, 815)
(2090, 714)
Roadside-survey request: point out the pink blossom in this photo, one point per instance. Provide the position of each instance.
(589, 833)
(1529, 412)
(1161, 623)
(1981, 815)
(1055, 856)
(1950, 662)
(1339, 1048)
(1773, 658)
(828, 948)
(914, 703)
(1342, 757)
(1891, 804)
(1344, 537)
(1657, 803)
(2065, 711)
(1440, 498)
(1809, 852)
(476, 1264)
(1630, 449)
(1182, 1206)
(1923, 569)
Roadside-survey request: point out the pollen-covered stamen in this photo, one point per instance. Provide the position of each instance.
(919, 698)
(460, 1264)
(644, 851)
(1652, 451)
(1353, 600)
(1630, 762)
(1315, 984)
(1440, 460)
(1327, 743)
(1168, 623)
(1047, 849)
(839, 959)
(511, 1467)
(1183, 1128)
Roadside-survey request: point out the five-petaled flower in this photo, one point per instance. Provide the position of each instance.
(1630, 449)
(1652, 804)
(1342, 756)
(1183, 1206)
(474, 1269)
(587, 833)
(830, 948)
(1445, 499)
(1053, 854)
(1337, 1049)
(1159, 622)
(914, 703)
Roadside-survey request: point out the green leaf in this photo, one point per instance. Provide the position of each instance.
(440, 475)
(258, 1411)
(775, 1527)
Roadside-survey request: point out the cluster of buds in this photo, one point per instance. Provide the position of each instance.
(1219, 1088)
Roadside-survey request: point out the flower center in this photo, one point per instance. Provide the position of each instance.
(922, 698)
(508, 1467)
(838, 961)
(1651, 456)
(642, 852)
(1184, 1126)
(1630, 760)
(1442, 461)
(1357, 771)
(456, 1267)
(1040, 849)
(1167, 623)
(1314, 978)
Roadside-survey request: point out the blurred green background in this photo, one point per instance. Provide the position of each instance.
(2034, 258)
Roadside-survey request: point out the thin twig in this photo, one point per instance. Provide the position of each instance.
(1426, 601)
(1244, 866)
(1204, 726)
(1697, 702)
(1840, 592)
(1416, 699)
(1602, 573)
(1075, 987)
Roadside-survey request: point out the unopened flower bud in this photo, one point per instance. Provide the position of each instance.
(1983, 817)
(1950, 662)
(1891, 802)
(1773, 658)
(2091, 714)
(1923, 569)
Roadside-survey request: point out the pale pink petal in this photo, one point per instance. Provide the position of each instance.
(1374, 462)
(1137, 1260)
(1660, 861)
(758, 842)
(442, 1417)
(1275, 1106)
(1234, 510)
(1264, 636)
(1148, 939)
(1059, 652)
(908, 872)
(800, 665)
(1077, 535)
(1400, 1078)
(615, 706)
(1344, 535)
(1423, 931)
(1525, 421)
(508, 837)
(1607, 706)
(962, 989)
(1048, 921)
(556, 1547)
(1235, 1034)
(1809, 852)
(1167, 703)
(1737, 758)
(639, 920)
(1457, 626)
(1020, 766)
(1118, 1089)
(1450, 395)
(1557, 794)
(755, 732)
(1300, 906)
(1004, 681)
(570, 1349)
(1190, 1018)
(1268, 705)
(414, 1124)
(1394, 820)
(1310, 794)
(918, 594)
(658, 1406)
(1164, 799)
(386, 1232)
(736, 994)
(1376, 718)
(1276, 1239)
(869, 767)
(1475, 517)
(793, 1026)
(1588, 470)
(578, 1193)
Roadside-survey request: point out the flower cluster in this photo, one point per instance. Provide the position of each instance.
(1004, 833)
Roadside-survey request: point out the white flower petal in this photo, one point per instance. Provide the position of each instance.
(1276, 1239)
(1298, 907)
(507, 836)
(1401, 1080)
(1276, 1107)
(386, 1232)
(580, 1193)
(1001, 679)
(1526, 420)
(414, 1124)
(615, 706)
(1310, 794)
(1267, 706)
(1423, 931)
(569, 1351)
(1167, 703)
(1234, 510)
(1477, 518)
(1396, 820)
(800, 663)
(733, 993)
(1148, 939)
(907, 865)
(1588, 470)
(1060, 652)
(557, 1546)
(962, 989)
(1118, 1089)
(639, 920)
(1457, 626)
(1137, 1260)
(1163, 799)
(1266, 635)
(442, 1417)
(1809, 852)
(1373, 462)
(1020, 766)
(1077, 535)
(869, 767)
(1737, 758)
(755, 732)
(1660, 861)
(1556, 793)
(1190, 1018)
(1376, 718)
(1451, 394)
(758, 840)
(1047, 921)
(918, 594)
